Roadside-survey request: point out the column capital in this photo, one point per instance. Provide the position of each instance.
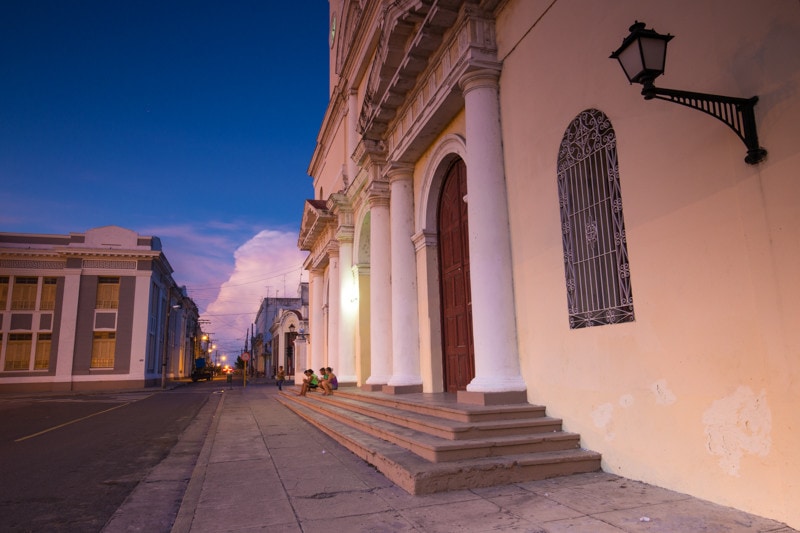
(424, 239)
(397, 171)
(345, 234)
(332, 250)
(316, 272)
(378, 194)
(484, 78)
(361, 269)
(341, 207)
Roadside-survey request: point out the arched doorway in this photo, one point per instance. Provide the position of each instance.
(457, 346)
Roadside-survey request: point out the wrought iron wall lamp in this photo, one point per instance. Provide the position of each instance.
(642, 56)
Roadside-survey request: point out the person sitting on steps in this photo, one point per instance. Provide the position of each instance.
(310, 382)
(328, 382)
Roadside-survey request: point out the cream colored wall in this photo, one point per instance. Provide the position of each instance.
(700, 393)
(329, 176)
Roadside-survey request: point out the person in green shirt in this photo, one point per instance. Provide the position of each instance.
(310, 382)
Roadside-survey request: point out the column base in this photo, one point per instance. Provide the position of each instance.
(401, 389)
(492, 398)
(373, 387)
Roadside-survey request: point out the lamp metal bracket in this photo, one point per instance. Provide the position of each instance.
(737, 113)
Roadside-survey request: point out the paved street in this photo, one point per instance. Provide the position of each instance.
(214, 457)
(68, 461)
(262, 468)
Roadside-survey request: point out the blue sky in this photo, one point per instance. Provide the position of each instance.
(191, 120)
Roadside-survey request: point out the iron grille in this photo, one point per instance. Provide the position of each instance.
(593, 229)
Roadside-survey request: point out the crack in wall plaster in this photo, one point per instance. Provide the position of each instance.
(664, 396)
(626, 400)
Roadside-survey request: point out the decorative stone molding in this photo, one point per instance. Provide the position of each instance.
(35, 264)
(399, 61)
(425, 239)
(341, 206)
(361, 269)
(408, 105)
(116, 265)
(479, 79)
(369, 152)
(397, 171)
(316, 219)
(378, 194)
(345, 234)
(351, 20)
(332, 249)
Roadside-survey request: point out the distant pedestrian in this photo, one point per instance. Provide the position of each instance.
(280, 377)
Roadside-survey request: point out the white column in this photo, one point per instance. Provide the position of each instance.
(348, 303)
(380, 286)
(334, 308)
(316, 324)
(405, 320)
(497, 367)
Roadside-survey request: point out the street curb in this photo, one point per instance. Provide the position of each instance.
(154, 502)
(191, 498)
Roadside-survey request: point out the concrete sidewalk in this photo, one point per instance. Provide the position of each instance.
(262, 468)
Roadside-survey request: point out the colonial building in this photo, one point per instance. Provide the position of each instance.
(499, 214)
(90, 311)
(276, 327)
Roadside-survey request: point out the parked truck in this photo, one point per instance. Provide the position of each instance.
(202, 370)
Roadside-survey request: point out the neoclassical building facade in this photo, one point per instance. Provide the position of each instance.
(490, 193)
(92, 310)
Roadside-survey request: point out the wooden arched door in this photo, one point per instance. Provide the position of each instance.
(457, 349)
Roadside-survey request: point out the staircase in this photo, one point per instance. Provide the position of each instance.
(428, 443)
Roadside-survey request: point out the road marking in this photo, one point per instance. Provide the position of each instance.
(48, 430)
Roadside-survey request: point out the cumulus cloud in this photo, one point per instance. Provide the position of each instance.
(227, 268)
(269, 264)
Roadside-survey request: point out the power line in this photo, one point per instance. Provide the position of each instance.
(271, 276)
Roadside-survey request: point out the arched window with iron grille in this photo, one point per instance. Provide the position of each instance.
(593, 229)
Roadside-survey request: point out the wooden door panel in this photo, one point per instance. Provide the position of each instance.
(456, 299)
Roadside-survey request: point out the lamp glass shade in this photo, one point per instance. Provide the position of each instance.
(643, 54)
(630, 59)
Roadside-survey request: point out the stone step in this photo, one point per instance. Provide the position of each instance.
(444, 406)
(446, 428)
(417, 475)
(432, 447)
